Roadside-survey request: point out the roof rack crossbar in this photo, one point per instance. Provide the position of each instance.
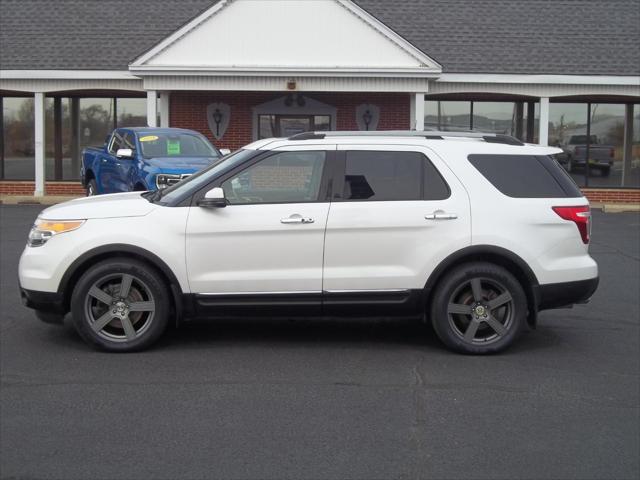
(428, 134)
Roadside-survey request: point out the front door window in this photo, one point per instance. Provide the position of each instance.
(288, 125)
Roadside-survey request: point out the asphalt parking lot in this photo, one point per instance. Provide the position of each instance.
(340, 399)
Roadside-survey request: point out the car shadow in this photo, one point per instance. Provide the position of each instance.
(342, 332)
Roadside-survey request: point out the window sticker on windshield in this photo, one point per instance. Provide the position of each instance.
(173, 147)
(148, 138)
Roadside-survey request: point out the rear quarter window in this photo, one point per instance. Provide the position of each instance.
(526, 176)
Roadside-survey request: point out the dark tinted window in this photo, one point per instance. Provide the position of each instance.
(435, 188)
(383, 176)
(526, 176)
(371, 175)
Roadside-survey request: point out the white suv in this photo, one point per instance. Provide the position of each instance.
(473, 232)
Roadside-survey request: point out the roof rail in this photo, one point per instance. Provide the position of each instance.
(428, 134)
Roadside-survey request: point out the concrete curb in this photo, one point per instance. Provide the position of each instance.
(31, 200)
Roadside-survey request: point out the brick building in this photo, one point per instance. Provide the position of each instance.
(239, 70)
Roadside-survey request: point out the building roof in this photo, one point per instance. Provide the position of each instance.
(564, 37)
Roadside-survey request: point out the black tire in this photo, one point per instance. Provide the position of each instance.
(92, 188)
(109, 322)
(471, 325)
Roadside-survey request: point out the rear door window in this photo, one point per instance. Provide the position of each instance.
(391, 176)
(526, 176)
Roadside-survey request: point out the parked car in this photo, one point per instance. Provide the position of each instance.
(574, 154)
(139, 159)
(475, 235)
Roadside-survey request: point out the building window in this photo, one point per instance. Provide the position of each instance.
(18, 139)
(447, 115)
(287, 125)
(599, 126)
(66, 132)
(132, 112)
(518, 119)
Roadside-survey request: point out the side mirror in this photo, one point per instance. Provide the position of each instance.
(225, 151)
(214, 198)
(124, 153)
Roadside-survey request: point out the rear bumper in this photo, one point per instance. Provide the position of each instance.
(556, 295)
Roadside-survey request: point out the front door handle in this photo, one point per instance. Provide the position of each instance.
(440, 215)
(296, 218)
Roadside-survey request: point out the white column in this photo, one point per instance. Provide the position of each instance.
(419, 111)
(628, 143)
(543, 135)
(38, 120)
(164, 109)
(152, 108)
(412, 112)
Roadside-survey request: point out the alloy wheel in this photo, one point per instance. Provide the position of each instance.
(119, 307)
(481, 311)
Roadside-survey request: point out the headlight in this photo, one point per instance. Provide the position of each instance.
(43, 230)
(165, 180)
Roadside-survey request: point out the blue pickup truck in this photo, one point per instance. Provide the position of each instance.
(141, 159)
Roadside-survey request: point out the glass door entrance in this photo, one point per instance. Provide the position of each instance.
(288, 125)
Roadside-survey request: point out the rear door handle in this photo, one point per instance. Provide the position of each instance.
(296, 218)
(441, 215)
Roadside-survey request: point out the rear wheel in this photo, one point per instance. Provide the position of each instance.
(479, 308)
(120, 305)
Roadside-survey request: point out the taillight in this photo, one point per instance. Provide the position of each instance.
(612, 152)
(580, 216)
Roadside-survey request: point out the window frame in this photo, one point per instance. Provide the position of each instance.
(340, 177)
(117, 134)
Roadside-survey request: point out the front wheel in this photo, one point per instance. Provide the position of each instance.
(479, 308)
(120, 305)
(92, 188)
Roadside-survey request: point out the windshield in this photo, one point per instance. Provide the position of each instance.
(193, 183)
(179, 145)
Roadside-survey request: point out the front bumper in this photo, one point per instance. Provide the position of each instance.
(557, 295)
(49, 306)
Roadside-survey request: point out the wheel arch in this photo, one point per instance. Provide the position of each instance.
(91, 257)
(498, 256)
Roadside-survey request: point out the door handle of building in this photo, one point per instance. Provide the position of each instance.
(440, 215)
(296, 218)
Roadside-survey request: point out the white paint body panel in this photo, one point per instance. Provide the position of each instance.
(245, 248)
(158, 230)
(382, 245)
(528, 227)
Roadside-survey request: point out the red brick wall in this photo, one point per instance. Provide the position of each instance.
(189, 110)
(9, 187)
(612, 195)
